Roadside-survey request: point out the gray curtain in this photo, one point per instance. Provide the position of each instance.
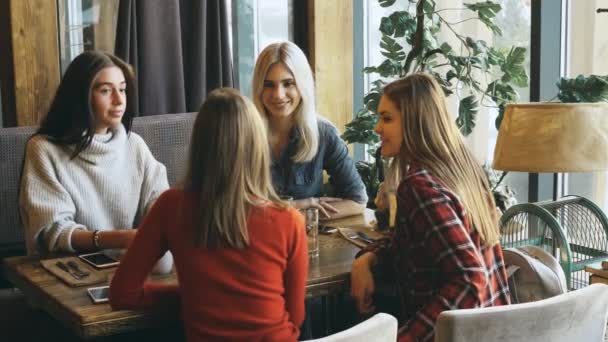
(179, 49)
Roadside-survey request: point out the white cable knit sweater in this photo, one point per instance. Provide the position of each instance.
(110, 185)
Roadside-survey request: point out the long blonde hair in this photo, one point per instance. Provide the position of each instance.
(432, 139)
(305, 115)
(229, 169)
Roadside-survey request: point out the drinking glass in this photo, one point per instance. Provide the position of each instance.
(312, 231)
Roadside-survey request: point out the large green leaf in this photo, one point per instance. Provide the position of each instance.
(478, 46)
(386, 3)
(496, 56)
(371, 100)
(467, 114)
(403, 23)
(486, 11)
(513, 67)
(361, 129)
(386, 26)
(429, 8)
(501, 92)
(391, 49)
(583, 89)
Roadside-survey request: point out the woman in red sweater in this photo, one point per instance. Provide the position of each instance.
(240, 252)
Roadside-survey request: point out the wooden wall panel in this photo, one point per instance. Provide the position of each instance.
(331, 55)
(35, 57)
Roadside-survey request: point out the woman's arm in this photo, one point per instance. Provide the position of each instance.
(343, 175)
(154, 179)
(439, 219)
(83, 240)
(128, 289)
(46, 208)
(330, 207)
(362, 282)
(297, 273)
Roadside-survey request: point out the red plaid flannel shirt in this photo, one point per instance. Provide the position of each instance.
(440, 263)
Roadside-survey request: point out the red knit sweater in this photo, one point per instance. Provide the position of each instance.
(251, 294)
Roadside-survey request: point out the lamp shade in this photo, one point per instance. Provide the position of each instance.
(553, 137)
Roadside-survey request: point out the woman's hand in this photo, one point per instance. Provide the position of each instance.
(362, 283)
(322, 204)
(380, 200)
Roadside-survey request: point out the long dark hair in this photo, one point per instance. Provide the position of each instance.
(70, 120)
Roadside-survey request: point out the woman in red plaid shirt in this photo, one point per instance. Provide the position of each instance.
(445, 250)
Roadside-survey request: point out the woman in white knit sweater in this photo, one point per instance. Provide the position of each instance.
(87, 179)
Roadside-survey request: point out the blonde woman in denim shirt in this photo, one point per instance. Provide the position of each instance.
(303, 144)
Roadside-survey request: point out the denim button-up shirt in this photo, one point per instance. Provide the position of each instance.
(303, 180)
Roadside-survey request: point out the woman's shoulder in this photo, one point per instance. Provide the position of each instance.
(325, 126)
(421, 180)
(137, 141)
(282, 217)
(40, 145)
(38, 141)
(138, 147)
(288, 213)
(172, 194)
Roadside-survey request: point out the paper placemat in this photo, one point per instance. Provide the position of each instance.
(350, 234)
(94, 276)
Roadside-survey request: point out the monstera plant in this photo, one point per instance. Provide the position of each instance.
(473, 70)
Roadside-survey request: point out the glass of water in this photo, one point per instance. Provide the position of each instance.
(312, 231)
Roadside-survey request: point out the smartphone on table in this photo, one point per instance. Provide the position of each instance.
(99, 260)
(99, 294)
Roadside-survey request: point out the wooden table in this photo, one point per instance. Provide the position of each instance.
(328, 274)
(597, 273)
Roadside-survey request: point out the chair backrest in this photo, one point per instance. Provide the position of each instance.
(537, 274)
(381, 327)
(168, 137)
(12, 152)
(574, 316)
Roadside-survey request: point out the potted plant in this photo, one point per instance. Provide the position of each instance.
(411, 43)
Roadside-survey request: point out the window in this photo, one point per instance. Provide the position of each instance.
(515, 22)
(85, 25)
(255, 24)
(587, 56)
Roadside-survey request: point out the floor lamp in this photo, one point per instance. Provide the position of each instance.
(556, 138)
(553, 137)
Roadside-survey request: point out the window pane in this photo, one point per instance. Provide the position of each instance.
(257, 23)
(587, 48)
(515, 23)
(86, 25)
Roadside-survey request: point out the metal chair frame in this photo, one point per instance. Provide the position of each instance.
(573, 255)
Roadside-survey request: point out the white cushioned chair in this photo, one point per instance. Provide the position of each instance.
(381, 327)
(574, 316)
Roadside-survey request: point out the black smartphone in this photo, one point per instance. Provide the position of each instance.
(99, 294)
(99, 260)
